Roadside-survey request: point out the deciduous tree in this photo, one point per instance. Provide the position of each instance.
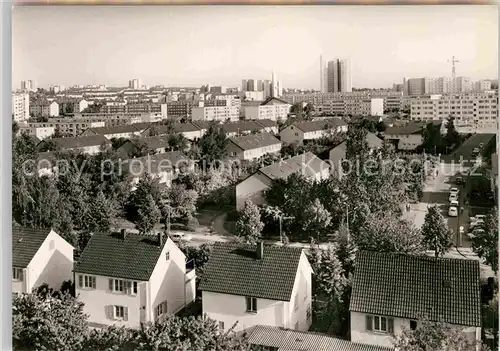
(148, 216)
(485, 243)
(249, 225)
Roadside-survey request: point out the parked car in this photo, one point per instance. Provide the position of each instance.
(475, 152)
(459, 181)
(454, 191)
(179, 236)
(477, 217)
(453, 211)
(454, 203)
(476, 223)
(453, 197)
(475, 232)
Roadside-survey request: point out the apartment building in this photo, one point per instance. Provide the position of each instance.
(116, 292)
(114, 119)
(144, 107)
(482, 86)
(478, 111)
(44, 108)
(271, 109)
(39, 256)
(20, 106)
(67, 126)
(39, 132)
(257, 285)
(215, 113)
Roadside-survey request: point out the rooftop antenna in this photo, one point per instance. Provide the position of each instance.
(453, 61)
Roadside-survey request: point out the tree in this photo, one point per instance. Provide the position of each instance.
(308, 110)
(177, 142)
(140, 148)
(148, 216)
(112, 338)
(102, 213)
(329, 275)
(485, 243)
(384, 232)
(316, 218)
(249, 225)
(436, 234)
(452, 137)
(181, 202)
(430, 336)
(212, 144)
(199, 255)
(44, 322)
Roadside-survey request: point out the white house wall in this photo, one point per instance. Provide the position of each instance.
(291, 134)
(232, 308)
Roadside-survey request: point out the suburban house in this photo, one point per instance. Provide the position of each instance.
(163, 166)
(253, 146)
(126, 279)
(240, 128)
(121, 131)
(88, 144)
(338, 153)
(392, 290)
(253, 187)
(44, 108)
(406, 137)
(257, 285)
(188, 130)
(270, 126)
(272, 108)
(267, 338)
(155, 144)
(38, 132)
(39, 256)
(72, 105)
(310, 130)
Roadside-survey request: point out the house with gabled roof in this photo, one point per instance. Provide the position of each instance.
(127, 279)
(269, 125)
(266, 338)
(92, 144)
(392, 290)
(257, 285)
(253, 146)
(405, 137)
(272, 108)
(39, 256)
(232, 129)
(311, 130)
(120, 131)
(253, 187)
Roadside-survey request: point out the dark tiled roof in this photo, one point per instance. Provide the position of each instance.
(254, 141)
(25, 244)
(410, 128)
(312, 126)
(407, 286)
(110, 255)
(293, 340)
(80, 142)
(185, 127)
(155, 142)
(201, 124)
(267, 123)
(234, 269)
(242, 126)
(270, 100)
(125, 128)
(338, 152)
(307, 164)
(153, 164)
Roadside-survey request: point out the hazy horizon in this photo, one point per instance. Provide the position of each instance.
(221, 45)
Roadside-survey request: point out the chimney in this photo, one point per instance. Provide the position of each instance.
(260, 250)
(160, 239)
(123, 233)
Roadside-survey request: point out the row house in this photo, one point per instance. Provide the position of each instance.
(254, 146)
(86, 144)
(271, 109)
(157, 144)
(122, 131)
(39, 256)
(253, 188)
(144, 107)
(215, 113)
(405, 137)
(116, 291)
(44, 108)
(311, 130)
(67, 126)
(71, 106)
(391, 291)
(38, 132)
(257, 285)
(233, 129)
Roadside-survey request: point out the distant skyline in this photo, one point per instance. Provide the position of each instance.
(221, 45)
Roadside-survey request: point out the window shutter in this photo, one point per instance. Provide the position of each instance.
(80, 281)
(128, 287)
(390, 325)
(369, 320)
(125, 313)
(21, 274)
(255, 305)
(111, 284)
(94, 282)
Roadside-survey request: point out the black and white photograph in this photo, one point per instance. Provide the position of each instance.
(254, 178)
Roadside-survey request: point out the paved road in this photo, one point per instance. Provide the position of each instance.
(464, 151)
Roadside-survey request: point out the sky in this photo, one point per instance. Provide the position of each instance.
(221, 45)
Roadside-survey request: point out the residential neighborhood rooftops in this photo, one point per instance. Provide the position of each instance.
(125, 128)
(338, 152)
(274, 101)
(307, 164)
(25, 244)
(407, 286)
(312, 126)
(241, 126)
(153, 164)
(78, 142)
(108, 254)
(268, 123)
(293, 340)
(253, 141)
(236, 269)
(410, 128)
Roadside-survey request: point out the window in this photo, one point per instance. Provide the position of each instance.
(221, 325)
(167, 255)
(87, 281)
(120, 312)
(161, 309)
(251, 304)
(379, 324)
(17, 273)
(413, 325)
(116, 285)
